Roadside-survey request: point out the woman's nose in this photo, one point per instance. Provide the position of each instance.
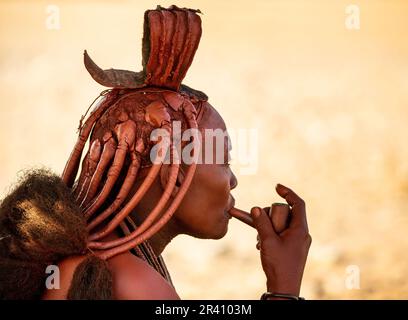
(233, 181)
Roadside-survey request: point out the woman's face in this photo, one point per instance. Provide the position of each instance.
(203, 213)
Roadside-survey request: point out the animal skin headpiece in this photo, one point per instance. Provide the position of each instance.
(170, 40)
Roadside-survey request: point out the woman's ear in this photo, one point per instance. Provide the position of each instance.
(164, 178)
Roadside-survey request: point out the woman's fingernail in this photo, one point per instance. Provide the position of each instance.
(255, 212)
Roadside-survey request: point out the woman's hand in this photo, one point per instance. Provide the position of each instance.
(284, 255)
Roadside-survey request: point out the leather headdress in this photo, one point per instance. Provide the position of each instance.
(170, 40)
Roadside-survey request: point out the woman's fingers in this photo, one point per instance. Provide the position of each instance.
(298, 206)
(263, 224)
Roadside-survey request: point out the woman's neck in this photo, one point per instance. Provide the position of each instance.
(158, 241)
(164, 236)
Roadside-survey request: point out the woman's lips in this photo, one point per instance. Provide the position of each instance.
(231, 205)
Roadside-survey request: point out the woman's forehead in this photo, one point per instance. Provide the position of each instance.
(212, 127)
(211, 119)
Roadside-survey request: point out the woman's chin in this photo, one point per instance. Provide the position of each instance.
(222, 230)
(221, 235)
(215, 233)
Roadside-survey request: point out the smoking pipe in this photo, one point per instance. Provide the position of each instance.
(278, 212)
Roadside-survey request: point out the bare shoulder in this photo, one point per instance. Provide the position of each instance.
(134, 279)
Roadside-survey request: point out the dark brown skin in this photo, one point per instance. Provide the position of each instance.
(284, 255)
(209, 191)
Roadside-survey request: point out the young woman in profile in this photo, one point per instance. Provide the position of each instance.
(106, 228)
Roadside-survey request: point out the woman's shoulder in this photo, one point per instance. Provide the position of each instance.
(132, 279)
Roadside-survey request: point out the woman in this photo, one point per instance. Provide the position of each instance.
(132, 202)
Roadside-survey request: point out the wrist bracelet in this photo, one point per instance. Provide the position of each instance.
(267, 295)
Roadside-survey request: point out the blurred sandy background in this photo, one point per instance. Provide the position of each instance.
(330, 105)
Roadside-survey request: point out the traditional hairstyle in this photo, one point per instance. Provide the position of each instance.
(120, 127)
